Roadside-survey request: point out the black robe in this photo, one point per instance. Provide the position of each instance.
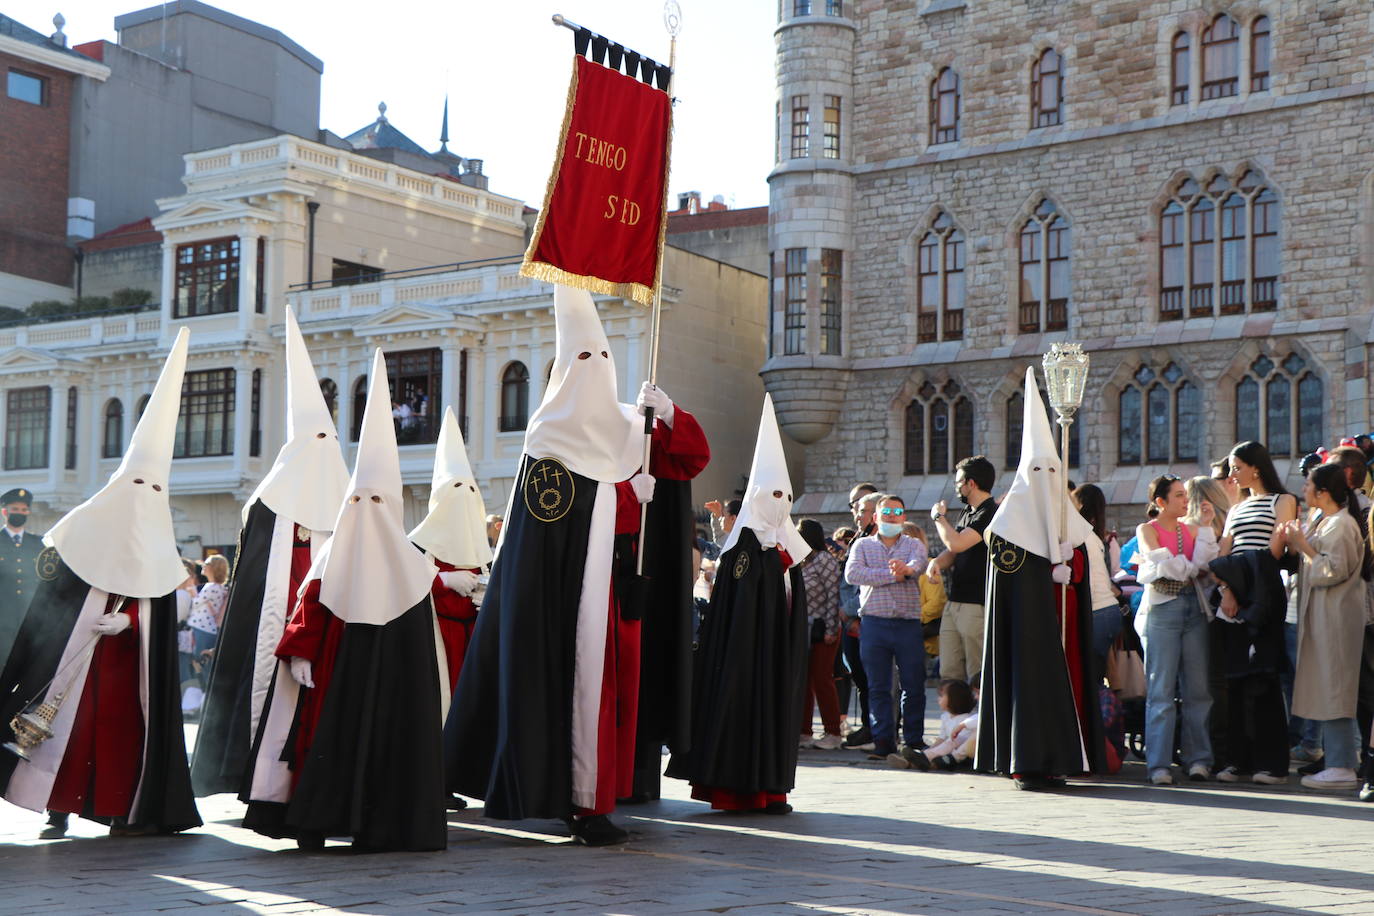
(667, 607)
(225, 737)
(1028, 722)
(749, 674)
(374, 771)
(508, 736)
(165, 801)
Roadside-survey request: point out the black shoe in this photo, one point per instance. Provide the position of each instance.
(639, 798)
(597, 830)
(858, 737)
(1308, 769)
(56, 828)
(1055, 782)
(1030, 782)
(914, 758)
(456, 803)
(777, 808)
(310, 841)
(945, 762)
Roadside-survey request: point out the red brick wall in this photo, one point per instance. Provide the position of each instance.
(34, 152)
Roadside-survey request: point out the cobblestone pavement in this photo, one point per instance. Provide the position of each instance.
(864, 839)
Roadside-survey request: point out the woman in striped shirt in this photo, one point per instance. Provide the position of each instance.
(1257, 720)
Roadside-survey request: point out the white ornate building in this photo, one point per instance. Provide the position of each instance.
(369, 254)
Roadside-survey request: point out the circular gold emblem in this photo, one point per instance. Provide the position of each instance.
(741, 565)
(1006, 556)
(46, 564)
(549, 490)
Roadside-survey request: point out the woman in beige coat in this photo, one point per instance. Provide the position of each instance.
(1331, 613)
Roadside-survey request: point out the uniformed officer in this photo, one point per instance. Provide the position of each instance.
(19, 552)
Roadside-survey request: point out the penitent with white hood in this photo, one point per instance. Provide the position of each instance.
(350, 739)
(556, 622)
(285, 522)
(103, 623)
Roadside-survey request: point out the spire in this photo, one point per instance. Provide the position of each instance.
(443, 130)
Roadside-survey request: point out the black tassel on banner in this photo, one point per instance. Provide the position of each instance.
(620, 58)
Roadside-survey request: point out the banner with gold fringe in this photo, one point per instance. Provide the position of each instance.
(604, 217)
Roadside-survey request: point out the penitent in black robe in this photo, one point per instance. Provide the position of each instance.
(225, 737)
(164, 800)
(1028, 723)
(506, 740)
(750, 671)
(667, 608)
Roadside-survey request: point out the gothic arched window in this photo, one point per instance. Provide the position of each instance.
(1159, 418)
(939, 429)
(1047, 90)
(940, 281)
(515, 398)
(1044, 277)
(1280, 404)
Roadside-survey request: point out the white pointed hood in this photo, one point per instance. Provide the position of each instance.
(121, 540)
(308, 480)
(1029, 514)
(455, 530)
(581, 422)
(769, 516)
(369, 571)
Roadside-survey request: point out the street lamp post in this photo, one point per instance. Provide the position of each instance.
(1066, 372)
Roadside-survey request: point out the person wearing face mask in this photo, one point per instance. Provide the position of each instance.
(750, 667)
(886, 566)
(285, 521)
(99, 644)
(349, 743)
(1040, 718)
(19, 549)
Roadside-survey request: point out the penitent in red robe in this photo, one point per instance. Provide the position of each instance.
(457, 614)
(678, 452)
(104, 756)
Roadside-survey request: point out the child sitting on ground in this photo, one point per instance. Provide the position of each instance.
(958, 725)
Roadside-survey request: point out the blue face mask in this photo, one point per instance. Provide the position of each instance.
(889, 529)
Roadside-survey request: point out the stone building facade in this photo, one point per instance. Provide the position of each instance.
(1184, 187)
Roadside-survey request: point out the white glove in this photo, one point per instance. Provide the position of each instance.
(653, 396)
(112, 624)
(300, 672)
(1061, 574)
(643, 485)
(460, 581)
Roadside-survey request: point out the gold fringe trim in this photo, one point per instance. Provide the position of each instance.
(548, 273)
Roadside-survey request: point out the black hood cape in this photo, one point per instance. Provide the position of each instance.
(375, 769)
(508, 738)
(164, 800)
(224, 738)
(1028, 721)
(665, 608)
(750, 672)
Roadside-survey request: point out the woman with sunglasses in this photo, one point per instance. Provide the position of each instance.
(1173, 628)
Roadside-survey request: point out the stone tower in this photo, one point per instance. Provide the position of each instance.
(811, 237)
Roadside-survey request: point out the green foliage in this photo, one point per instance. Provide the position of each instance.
(126, 298)
(91, 304)
(11, 314)
(45, 307)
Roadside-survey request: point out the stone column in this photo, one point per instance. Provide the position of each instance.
(248, 278)
(243, 416)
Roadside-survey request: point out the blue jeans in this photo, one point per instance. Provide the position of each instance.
(1304, 732)
(1106, 628)
(1176, 666)
(882, 641)
(1341, 740)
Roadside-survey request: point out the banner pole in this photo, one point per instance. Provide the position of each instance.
(672, 20)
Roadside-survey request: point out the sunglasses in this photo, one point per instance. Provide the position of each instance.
(891, 511)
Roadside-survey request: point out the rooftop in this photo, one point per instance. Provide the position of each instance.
(205, 11)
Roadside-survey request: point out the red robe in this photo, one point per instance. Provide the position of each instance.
(104, 757)
(678, 452)
(1073, 654)
(729, 799)
(312, 633)
(456, 614)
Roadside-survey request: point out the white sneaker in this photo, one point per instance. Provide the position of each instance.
(1229, 774)
(1333, 778)
(1270, 779)
(829, 743)
(1199, 772)
(806, 741)
(1161, 777)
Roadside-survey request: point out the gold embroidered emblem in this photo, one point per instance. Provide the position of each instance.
(549, 490)
(741, 565)
(1006, 556)
(46, 564)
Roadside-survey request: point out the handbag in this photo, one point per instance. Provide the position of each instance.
(1125, 671)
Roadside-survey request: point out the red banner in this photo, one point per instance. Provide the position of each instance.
(603, 220)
